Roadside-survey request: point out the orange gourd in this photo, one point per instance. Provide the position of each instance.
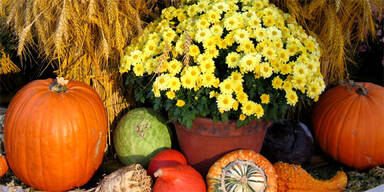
(55, 134)
(242, 171)
(293, 178)
(3, 166)
(348, 123)
(177, 179)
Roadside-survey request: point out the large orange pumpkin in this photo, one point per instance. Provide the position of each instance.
(55, 134)
(348, 123)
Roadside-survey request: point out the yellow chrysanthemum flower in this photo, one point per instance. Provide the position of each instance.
(174, 66)
(249, 62)
(254, 22)
(180, 103)
(202, 58)
(168, 34)
(179, 47)
(210, 43)
(277, 82)
(246, 46)
(268, 20)
(208, 79)
(259, 111)
(222, 6)
(233, 22)
(229, 39)
(192, 10)
(162, 81)
(207, 66)
(285, 69)
(287, 85)
(274, 33)
(212, 52)
(269, 53)
(282, 55)
(232, 59)
(202, 23)
(235, 106)
(192, 71)
(174, 84)
(202, 34)
(188, 81)
(194, 50)
(299, 82)
(236, 77)
(277, 44)
(225, 102)
(213, 15)
(222, 44)
(314, 90)
(300, 70)
(136, 56)
(242, 97)
(264, 98)
(170, 94)
(291, 97)
(248, 108)
(260, 34)
(265, 70)
(150, 48)
(241, 35)
(138, 69)
(226, 86)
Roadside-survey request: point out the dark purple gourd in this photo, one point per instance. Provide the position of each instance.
(289, 141)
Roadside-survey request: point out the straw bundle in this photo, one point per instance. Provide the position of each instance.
(84, 38)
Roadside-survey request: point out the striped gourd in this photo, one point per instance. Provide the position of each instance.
(242, 171)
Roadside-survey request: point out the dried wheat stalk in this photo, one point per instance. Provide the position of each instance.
(84, 38)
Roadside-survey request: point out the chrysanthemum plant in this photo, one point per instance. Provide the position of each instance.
(224, 59)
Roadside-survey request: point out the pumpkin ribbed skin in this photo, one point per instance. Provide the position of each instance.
(55, 141)
(246, 166)
(349, 125)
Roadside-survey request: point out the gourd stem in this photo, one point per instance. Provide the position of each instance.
(59, 85)
(350, 84)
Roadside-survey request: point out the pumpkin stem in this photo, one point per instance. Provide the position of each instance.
(59, 85)
(350, 84)
(361, 90)
(158, 173)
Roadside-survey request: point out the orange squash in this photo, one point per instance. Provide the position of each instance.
(293, 178)
(178, 178)
(348, 123)
(55, 134)
(3, 166)
(242, 171)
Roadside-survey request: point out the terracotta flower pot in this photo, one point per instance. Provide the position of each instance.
(207, 141)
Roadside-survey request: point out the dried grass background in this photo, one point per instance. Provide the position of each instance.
(82, 38)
